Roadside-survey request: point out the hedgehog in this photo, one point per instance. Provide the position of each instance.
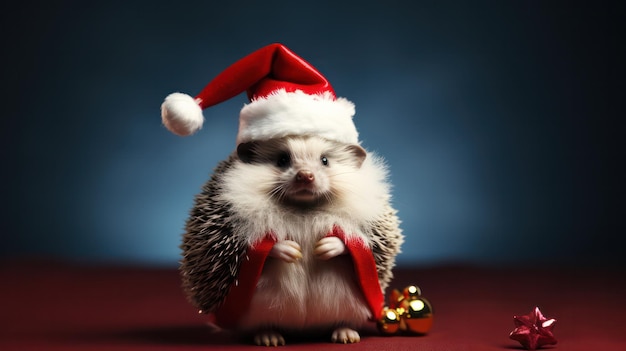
(294, 232)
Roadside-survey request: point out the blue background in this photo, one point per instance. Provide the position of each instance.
(498, 120)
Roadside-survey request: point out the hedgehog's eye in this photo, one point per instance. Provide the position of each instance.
(324, 160)
(284, 160)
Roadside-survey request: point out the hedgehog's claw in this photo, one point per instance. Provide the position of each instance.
(345, 335)
(269, 338)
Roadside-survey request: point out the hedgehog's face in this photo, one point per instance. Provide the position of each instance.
(301, 171)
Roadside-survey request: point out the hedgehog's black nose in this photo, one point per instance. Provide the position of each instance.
(305, 177)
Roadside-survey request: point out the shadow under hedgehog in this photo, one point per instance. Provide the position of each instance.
(294, 232)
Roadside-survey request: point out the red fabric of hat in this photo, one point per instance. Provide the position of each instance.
(290, 93)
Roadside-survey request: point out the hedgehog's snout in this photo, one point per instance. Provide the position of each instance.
(304, 177)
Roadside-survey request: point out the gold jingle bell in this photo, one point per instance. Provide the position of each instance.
(408, 312)
(390, 321)
(418, 312)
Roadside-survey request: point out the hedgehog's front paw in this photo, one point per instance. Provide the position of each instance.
(286, 250)
(345, 335)
(269, 338)
(329, 247)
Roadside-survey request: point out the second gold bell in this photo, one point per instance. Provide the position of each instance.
(407, 312)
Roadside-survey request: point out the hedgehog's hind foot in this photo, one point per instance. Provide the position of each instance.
(345, 335)
(269, 338)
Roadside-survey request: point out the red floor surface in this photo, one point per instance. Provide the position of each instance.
(56, 306)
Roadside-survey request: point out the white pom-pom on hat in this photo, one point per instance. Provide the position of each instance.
(181, 114)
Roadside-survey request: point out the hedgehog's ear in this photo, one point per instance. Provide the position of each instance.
(245, 151)
(359, 154)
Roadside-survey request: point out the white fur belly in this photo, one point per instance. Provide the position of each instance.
(310, 293)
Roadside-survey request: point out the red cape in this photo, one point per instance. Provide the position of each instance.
(238, 299)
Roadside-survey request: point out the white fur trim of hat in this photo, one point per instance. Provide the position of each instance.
(284, 113)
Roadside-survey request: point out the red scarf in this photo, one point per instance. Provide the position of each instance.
(238, 299)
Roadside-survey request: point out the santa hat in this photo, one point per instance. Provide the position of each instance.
(287, 96)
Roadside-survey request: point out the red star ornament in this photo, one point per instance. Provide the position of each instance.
(533, 330)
